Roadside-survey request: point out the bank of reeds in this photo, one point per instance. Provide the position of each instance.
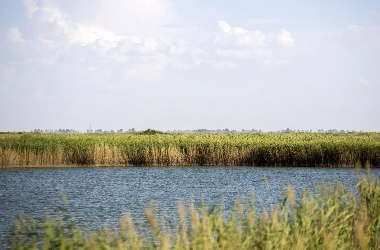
(330, 218)
(139, 149)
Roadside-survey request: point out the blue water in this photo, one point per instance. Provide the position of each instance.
(99, 196)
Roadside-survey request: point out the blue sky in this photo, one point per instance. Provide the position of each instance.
(189, 64)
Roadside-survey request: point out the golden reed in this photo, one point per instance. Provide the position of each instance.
(325, 150)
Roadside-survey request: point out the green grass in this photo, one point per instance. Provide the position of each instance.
(331, 218)
(153, 148)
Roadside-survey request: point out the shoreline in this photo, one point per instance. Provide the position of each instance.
(167, 166)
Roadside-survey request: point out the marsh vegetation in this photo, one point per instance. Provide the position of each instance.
(160, 149)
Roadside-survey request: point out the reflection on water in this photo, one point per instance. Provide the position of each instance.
(102, 195)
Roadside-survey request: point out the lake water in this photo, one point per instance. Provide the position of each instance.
(100, 196)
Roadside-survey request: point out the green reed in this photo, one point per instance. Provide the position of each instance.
(330, 218)
(160, 149)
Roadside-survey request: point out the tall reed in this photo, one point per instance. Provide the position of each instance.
(139, 149)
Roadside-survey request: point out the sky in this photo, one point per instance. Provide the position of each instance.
(190, 64)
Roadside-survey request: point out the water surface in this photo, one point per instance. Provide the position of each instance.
(104, 195)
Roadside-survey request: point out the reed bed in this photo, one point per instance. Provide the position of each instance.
(160, 149)
(331, 217)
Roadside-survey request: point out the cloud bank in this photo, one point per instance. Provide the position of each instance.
(139, 63)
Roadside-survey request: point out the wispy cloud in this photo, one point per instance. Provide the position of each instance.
(14, 35)
(356, 28)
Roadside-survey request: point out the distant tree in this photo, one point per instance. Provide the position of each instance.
(150, 132)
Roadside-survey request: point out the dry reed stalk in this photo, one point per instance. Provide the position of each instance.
(360, 227)
(152, 220)
(187, 149)
(182, 217)
(291, 196)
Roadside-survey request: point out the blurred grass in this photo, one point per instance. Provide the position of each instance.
(331, 218)
(152, 148)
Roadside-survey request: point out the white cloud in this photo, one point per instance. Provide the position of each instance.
(237, 31)
(246, 47)
(179, 48)
(143, 18)
(224, 27)
(14, 35)
(148, 46)
(136, 46)
(50, 14)
(47, 44)
(240, 37)
(285, 38)
(72, 32)
(255, 38)
(132, 42)
(30, 7)
(107, 26)
(96, 59)
(131, 32)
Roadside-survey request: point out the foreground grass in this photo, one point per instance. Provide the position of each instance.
(159, 149)
(333, 218)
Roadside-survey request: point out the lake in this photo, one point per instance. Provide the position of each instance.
(100, 196)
